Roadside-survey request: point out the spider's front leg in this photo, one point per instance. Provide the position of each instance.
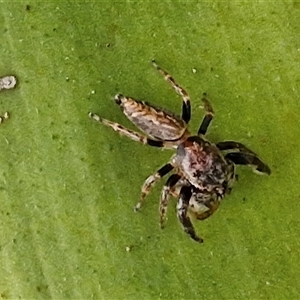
(150, 181)
(182, 213)
(245, 156)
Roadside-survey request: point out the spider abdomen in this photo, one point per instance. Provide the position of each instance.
(157, 123)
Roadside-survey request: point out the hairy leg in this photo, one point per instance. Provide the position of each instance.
(165, 195)
(186, 103)
(240, 158)
(232, 145)
(127, 132)
(182, 213)
(150, 181)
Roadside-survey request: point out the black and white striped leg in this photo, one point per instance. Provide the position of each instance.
(165, 195)
(186, 103)
(232, 145)
(209, 114)
(182, 213)
(150, 181)
(245, 156)
(241, 158)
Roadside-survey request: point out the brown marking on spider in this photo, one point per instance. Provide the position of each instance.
(203, 172)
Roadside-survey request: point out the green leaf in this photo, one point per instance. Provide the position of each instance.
(68, 185)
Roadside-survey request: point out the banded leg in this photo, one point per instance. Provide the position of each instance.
(186, 104)
(232, 145)
(165, 195)
(127, 132)
(150, 181)
(209, 114)
(182, 213)
(240, 158)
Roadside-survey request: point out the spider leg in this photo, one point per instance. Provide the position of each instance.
(186, 104)
(232, 145)
(245, 156)
(150, 181)
(165, 195)
(241, 158)
(182, 213)
(209, 114)
(127, 132)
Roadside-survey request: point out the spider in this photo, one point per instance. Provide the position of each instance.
(203, 172)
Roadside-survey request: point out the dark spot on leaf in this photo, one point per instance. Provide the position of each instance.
(4, 295)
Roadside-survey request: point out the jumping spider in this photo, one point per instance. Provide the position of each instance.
(203, 173)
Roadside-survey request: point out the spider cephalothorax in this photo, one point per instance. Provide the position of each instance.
(203, 172)
(202, 163)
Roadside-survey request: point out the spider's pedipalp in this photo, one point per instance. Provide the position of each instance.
(186, 104)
